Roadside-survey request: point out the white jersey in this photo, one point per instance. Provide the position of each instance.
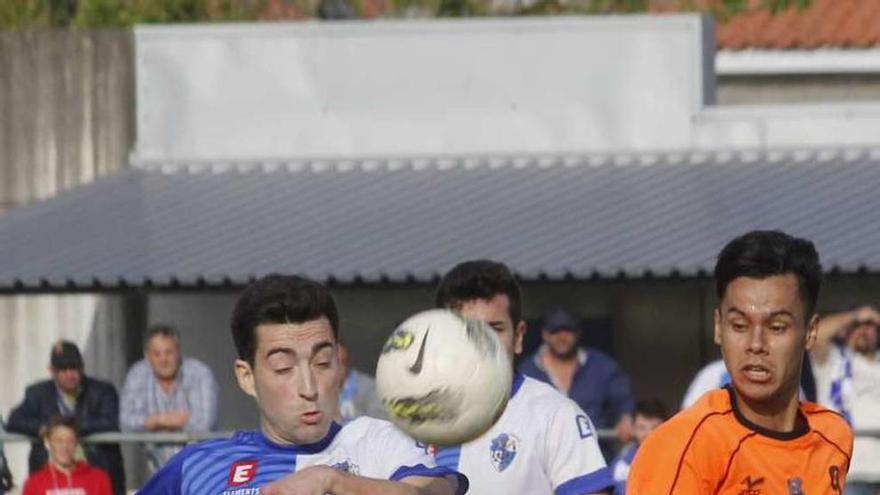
(248, 461)
(543, 444)
(713, 375)
(857, 380)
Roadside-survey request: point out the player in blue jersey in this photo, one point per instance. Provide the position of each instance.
(543, 443)
(285, 331)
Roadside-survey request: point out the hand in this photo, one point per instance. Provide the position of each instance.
(623, 430)
(313, 480)
(174, 420)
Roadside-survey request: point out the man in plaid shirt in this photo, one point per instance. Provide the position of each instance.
(167, 392)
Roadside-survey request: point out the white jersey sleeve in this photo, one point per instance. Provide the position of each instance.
(395, 456)
(573, 460)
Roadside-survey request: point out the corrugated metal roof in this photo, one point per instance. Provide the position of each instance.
(399, 220)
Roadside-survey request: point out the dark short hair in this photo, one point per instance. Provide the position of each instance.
(163, 329)
(479, 279)
(765, 253)
(57, 420)
(279, 299)
(651, 408)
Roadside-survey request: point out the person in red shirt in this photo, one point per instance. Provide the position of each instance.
(64, 474)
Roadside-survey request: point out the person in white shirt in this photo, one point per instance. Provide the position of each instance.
(543, 443)
(713, 375)
(847, 369)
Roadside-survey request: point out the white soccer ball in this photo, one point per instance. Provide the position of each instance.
(444, 379)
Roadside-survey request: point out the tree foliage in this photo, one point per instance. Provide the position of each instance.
(114, 13)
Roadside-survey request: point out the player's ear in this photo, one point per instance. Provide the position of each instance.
(245, 375)
(716, 316)
(518, 333)
(812, 332)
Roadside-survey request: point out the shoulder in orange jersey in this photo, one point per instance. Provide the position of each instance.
(710, 448)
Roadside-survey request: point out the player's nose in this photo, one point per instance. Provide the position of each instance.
(308, 387)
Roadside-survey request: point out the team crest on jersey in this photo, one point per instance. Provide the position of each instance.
(795, 486)
(503, 450)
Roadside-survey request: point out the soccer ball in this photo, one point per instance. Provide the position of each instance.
(444, 379)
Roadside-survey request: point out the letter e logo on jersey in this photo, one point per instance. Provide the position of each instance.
(584, 426)
(242, 472)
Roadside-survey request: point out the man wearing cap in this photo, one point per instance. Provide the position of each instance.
(93, 403)
(588, 376)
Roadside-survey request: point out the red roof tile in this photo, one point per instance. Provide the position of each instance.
(825, 23)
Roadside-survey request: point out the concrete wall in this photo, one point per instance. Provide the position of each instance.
(66, 118)
(67, 107)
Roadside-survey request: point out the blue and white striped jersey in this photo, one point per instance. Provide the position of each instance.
(242, 464)
(543, 444)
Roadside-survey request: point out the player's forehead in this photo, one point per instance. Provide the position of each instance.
(767, 297)
(293, 338)
(495, 309)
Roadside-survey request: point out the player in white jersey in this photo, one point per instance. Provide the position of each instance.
(285, 332)
(544, 443)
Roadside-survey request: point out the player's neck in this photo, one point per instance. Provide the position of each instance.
(778, 415)
(167, 384)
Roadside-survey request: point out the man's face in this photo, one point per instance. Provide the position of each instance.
(863, 338)
(67, 379)
(61, 444)
(163, 353)
(496, 312)
(295, 380)
(562, 343)
(644, 425)
(763, 333)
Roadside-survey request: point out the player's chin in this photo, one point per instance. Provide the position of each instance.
(311, 431)
(756, 391)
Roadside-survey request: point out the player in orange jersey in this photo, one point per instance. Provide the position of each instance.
(754, 437)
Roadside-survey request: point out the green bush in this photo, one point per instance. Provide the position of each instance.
(115, 13)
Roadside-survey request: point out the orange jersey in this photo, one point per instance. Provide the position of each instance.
(710, 448)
